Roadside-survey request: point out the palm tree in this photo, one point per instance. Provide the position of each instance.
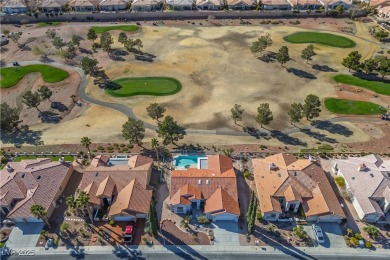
(40, 212)
(85, 141)
(71, 202)
(156, 145)
(83, 202)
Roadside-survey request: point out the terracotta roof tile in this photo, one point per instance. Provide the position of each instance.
(221, 201)
(185, 194)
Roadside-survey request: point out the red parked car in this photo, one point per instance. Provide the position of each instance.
(128, 235)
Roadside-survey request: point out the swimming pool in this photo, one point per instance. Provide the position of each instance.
(186, 161)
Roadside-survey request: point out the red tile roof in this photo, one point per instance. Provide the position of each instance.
(221, 201)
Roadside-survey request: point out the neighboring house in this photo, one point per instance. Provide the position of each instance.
(276, 5)
(379, 3)
(209, 4)
(305, 4)
(14, 6)
(146, 5)
(118, 188)
(332, 4)
(384, 12)
(241, 4)
(52, 5)
(287, 186)
(212, 185)
(368, 183)
(84, 5)
(113, 5)
(180, 5)
(29, 182)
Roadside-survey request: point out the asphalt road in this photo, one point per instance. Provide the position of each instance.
(173, 256)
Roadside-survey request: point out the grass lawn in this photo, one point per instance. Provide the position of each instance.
(154, 86)
(353, 107)
(11, 76)
(320, 38)
(53, 158)
(376, 86)
(126, 28)
(42, 24)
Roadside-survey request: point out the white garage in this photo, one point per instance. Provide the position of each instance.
(123, 218)
(224, 217)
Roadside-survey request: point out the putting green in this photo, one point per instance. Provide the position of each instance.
(353, 107)
(126, 28)
(12, 75)
(154, 86)
(320, 38)
(376, 86)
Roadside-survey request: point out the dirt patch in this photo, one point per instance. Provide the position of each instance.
(357, 93)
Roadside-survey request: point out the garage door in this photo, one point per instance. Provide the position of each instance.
(224, 217)
(29, 220)
(123, 218)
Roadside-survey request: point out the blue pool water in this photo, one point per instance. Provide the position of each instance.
(186, 161)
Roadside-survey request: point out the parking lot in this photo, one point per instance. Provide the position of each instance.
(332, 233)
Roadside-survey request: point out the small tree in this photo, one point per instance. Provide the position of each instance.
(64, 227)
(170, 130)
(39, 212)
(295, 112)
(76, 40)
(58, 42)
(70, 52)
(45, 93)
(340, 9)
(381, 34)
(106, 41)
(155, 111)
(340, 181)
(89, 66)
(134, 131)
(311, 108)
(352, 61)
(308, 53)
(384, 67)
(300, 232)
(369, 66)
(9, 118)
(15, 37)
(82, 202)
(122, 37)
(51, 33)
(264, 114)
(237, 112)
(153, 220)
(262, 43)
(155, 146)
(32, 99)
(282, 56)
(91, 35)
(372, 231)
(86, 142)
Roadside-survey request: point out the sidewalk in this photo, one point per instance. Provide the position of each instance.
(304, 251)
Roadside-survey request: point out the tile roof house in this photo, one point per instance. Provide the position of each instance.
(180, 5)
(119, 187)
(212, 184)
(379, 3)
(368, 180)
(113, 5)
(305, 4)
(29, 182)
(276, 5)
(146, 5)
(384, 12)
(286, 185)
(332, 4)
(209, 4)
(84, 5)
(52, 5)
(14, 6)
(241, 4)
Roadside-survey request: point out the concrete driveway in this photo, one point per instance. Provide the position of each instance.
(225, 233)
(24, 235)
(332, 232)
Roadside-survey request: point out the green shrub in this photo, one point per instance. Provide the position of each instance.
(372, 231)
(300, 232)
(130, 146)
(111, 222)
(274, 22)
(122, 145)
(100, 147)
(368, 244)
(358, 236)
(339, 181)
(110, 148)
(325, 147)
(259, 216)
(64, 227)
(246, 173)
(354, 241)
(203, 220)
(2, 244)
(56, 241)
(116, 144)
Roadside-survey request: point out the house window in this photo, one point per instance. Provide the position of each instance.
(179, 209)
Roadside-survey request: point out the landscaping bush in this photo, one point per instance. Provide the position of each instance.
(115, 144)
(354, 241)
(332, 13)
(130, 146)
(56, 240)
(372, 231)
(203, 220)
(339, 181)
(64, 227)
(246, 173)
(274, 22)
(259, 216)
(325, 147)
(100, 147)
(122, 145)
(111, 222)
(300, 232)
(110, 148)
(358, 236)
(368, 244)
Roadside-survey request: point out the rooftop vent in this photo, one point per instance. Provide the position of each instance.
(207, 182)
(96, 174)
(312, 158)
(353, 178)
(372, 175)
(39, 177)
(295, 173)
(23, 175)
(280, 175)
(9, 168)
(62, 159)
(362, 167)
(272, 166)
(199, 182)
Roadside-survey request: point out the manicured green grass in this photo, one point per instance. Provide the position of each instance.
(68, 158)
(376, 86)
(320, 38)
(126, 28)
(42, 24)
(154, 86)
(353, 107)
(11, 76)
